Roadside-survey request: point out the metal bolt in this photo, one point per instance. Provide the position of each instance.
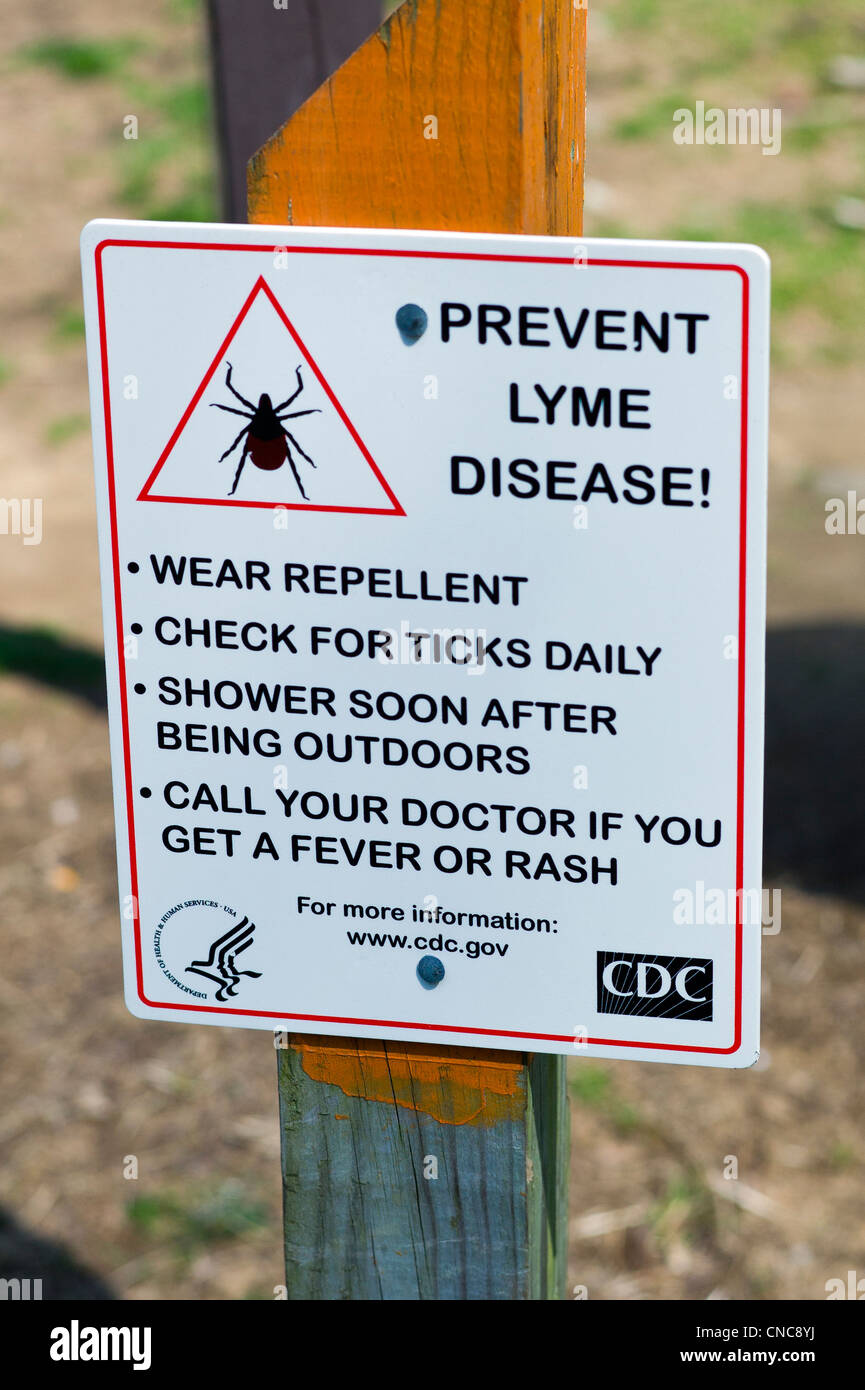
(430, 971)
(411, 321)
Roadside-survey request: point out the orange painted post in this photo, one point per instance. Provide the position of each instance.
(455, 116)
(415, 1172)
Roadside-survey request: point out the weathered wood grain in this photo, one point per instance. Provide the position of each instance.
(404, 1172)
(505, 80)
(412, 1172)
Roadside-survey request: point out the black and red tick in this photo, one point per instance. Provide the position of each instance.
(266, 441)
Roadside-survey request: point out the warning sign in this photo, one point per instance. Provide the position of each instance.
(261, 347)
(433, 573)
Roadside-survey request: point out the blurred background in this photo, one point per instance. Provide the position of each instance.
(90, 1097)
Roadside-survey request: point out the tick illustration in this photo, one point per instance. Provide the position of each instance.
(265, 439)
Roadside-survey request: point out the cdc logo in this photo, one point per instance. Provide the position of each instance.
(654, 986)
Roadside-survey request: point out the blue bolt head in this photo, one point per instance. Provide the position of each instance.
(411, 321)
(430, 971)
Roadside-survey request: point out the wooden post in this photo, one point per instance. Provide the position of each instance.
(413, 1171)
(267, 59)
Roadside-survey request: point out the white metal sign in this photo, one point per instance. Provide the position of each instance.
(433, 573)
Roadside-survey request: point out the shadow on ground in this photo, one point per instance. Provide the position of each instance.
(45, 656)
(814, 833)
(25, 1257)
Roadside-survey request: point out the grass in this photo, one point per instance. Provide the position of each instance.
(142, 193)
(592, 1086)
(685, 1213)
(753, 54)
(816, 265)
(826, 119)
(195, 205)
(168, 174)
(187, 107)
(842, 1156)
(69, 327)
(65, 427)
(7, 371)
(226, 1213)
(655, 118)
(82, 59)
(801, 33)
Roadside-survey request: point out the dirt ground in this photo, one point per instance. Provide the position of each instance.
(89, 1094)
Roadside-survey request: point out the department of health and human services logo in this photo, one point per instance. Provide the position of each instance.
(198, 944)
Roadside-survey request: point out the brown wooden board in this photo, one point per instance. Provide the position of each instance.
(266, 62)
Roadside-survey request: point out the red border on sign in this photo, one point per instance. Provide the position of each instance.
(740, 741)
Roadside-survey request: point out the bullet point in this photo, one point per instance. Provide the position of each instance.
(139, 688)
(145, 792)
(136, 628)
(132, 567)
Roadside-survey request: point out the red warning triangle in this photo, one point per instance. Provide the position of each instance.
(265, 429)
